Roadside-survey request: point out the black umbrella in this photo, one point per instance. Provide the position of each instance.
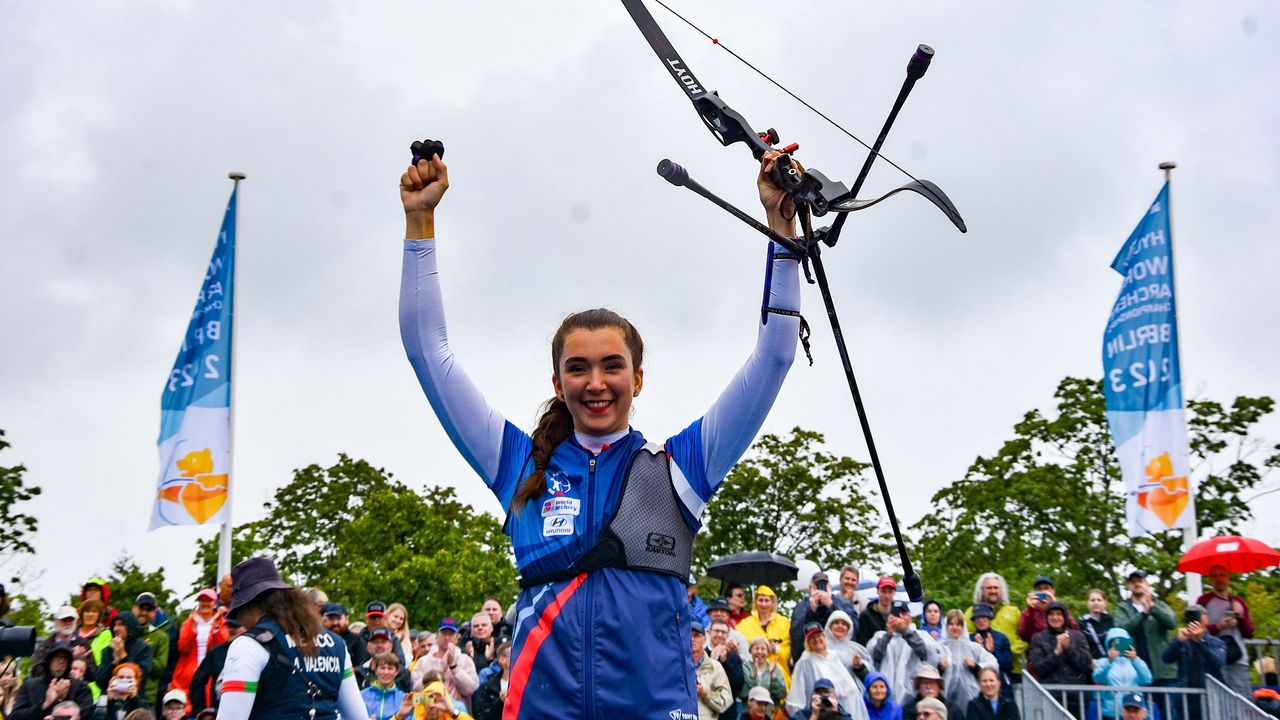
(754, 567)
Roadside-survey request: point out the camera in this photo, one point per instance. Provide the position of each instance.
(17, 641)
(825, 702)
(1042, 596)
(1192, 616)
(821, 585)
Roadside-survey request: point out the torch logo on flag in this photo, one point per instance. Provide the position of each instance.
(195, 425)
(1143, 384)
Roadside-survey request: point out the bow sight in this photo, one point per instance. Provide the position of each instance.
(813, 193)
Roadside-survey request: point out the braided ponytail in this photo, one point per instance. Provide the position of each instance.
(556, 423)
(554, 426)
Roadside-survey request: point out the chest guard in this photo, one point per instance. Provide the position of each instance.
(647, 530)
(293, 686)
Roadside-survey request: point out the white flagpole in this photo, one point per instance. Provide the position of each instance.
(224, 541)
(1189, 534)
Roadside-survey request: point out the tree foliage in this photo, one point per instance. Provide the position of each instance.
(1050, 501)
(128, 581)
(18, 526)
(791, 497)
(355, 532)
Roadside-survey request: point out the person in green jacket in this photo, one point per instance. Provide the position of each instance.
(1148, 621)
(157, 636)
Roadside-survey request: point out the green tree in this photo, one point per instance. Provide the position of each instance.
(791, 497)
(360, 535)
(1051, 500)
(246, 542)
(18, 526)
(127, 581)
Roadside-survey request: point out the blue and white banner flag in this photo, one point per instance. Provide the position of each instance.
(1143, 384)
(195, 409)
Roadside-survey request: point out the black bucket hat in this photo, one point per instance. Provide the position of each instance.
(251, 578)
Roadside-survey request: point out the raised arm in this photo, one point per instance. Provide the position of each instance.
(732, 422)
(475, 428)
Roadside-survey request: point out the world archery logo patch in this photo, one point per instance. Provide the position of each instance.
(557, 483)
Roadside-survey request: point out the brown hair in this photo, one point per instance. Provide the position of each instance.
(296, 615)
(954, 616)
(92, 605)
(386, 658)
(556, 423)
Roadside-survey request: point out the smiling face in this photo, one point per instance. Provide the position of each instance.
(395, 619)
(955, 628)
(386, 673)
(848, 582)
(992, 592)
(878, 692)
(989, 683)
(597, 379)
(839, 629)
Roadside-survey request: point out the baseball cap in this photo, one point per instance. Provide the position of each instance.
(381, 633)
(1043, 580)
(175, 695)
(718, 604)
(697, 627)
(1132, 700)
(66, 612)
(824, 684)
(375, 609)
(900, 607)
(1142, 574)
(818, 577)
(207, 594)
(982, 610)
(334, 608)
(447, 623)
(887, 581)
(760, 694)
(146, 599)
(811, 628)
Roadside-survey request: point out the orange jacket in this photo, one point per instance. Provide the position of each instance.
(187, 648)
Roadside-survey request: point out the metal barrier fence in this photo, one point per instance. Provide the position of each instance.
(1166, 703)
(1227, 704)
(1037, 703)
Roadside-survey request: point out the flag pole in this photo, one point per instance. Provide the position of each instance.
(224, 541)
(1189, 534)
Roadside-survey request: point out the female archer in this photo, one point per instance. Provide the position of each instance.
(601, 519)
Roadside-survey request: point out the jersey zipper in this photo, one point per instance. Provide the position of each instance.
(588, 669)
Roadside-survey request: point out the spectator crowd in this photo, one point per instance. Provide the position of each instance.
(835, 656)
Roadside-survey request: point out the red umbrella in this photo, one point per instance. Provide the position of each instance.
(1237, 554)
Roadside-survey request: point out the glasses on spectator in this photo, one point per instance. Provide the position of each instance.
(737, 594)
(719, 631)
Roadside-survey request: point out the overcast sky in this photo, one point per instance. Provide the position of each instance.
(1043, 122)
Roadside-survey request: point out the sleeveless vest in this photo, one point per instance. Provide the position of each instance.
(647, 530)
(292, 685)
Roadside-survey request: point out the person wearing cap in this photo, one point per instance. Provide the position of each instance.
(335, 618)
(898, 650)
(375, 616)
(875, 617)
(1060, 655)
(382, 641)
(95, 588)
(961, 660)
(758, 703)
(929, 690)
(174, 705)
(203, 629)
(992, 591)
(1032, 619)
(1133, 707)
(39, 694)
(878, 699)
(457, 670)
(818, 662)
(994, 642)
(718, 609)
(437, 704)
(204, 682)
(712, 684)
(1149, 620)
(157, 636)
(64, 631)
(1228, 619)
(285, 666)
(767, 622)
(822, 704)
(816, 607)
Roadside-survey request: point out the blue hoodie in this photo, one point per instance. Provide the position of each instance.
(382, 703)
(1121, 672)
(890, 710)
